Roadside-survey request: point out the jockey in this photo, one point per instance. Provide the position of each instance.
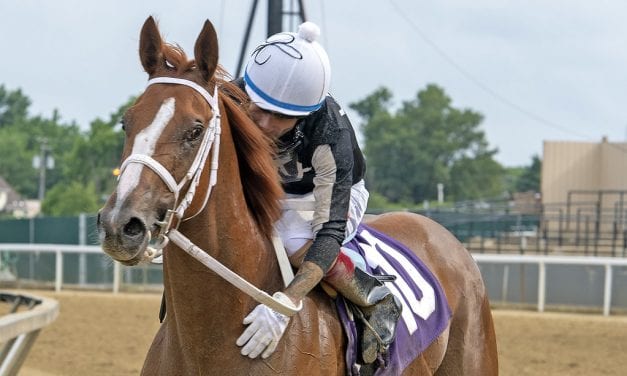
(287, 79)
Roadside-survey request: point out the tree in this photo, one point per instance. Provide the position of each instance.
(72, 199)
(529, 180)
(13, 106)
(409, 152)
(84, 157)
(480, 177)
(510, 178)
(23, 139)
(84, 161)
(97, 152)
(15, 162)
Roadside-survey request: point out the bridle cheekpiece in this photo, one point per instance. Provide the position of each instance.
(211, 140)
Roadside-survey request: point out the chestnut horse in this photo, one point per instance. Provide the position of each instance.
(165, 129)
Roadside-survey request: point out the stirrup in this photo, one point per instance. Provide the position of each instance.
(385, 277)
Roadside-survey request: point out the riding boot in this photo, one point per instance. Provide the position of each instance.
(380, 307)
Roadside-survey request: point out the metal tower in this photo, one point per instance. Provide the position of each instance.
(278, 17)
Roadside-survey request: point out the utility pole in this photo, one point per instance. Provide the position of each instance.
(44, 161)
(276, 16)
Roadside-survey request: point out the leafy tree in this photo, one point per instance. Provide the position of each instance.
(13, 106)
(95, 154)
(373, 105)
(72, 199)
(84, 161)
(58, 138)
(84, 157)
(476, 178)
(15, 162)
(510, 178)
(529, 180)
(422, 144)
(23, 140)
(379, 203)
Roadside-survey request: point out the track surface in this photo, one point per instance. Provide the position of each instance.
(105, 334)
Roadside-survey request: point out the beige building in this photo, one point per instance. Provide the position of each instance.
(585, 182)
(569, 166)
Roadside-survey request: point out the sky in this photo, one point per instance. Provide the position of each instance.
(545, 70)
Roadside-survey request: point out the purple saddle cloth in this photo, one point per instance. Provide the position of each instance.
(426, 312)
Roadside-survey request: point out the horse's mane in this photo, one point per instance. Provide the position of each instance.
(259, 175)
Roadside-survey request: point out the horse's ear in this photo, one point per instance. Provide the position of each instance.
(150, 44)
(206, 51)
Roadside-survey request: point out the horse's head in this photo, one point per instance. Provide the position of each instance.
(165, 129)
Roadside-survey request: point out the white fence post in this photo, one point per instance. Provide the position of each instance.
(82, 257)
(58, 271)
(541, 286)
(116, 277)
(505, 284)
(607, 290)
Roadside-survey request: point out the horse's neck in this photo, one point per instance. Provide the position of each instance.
(203, 304)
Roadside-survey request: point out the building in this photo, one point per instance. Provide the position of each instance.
(12, 204)
(582, 166)
(584, 191)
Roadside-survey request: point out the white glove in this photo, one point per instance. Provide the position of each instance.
(265, 330)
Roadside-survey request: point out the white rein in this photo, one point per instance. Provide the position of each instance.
(210, 141)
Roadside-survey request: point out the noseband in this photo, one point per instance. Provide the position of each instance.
(210, 139)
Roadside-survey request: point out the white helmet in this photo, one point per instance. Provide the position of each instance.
(289, 73)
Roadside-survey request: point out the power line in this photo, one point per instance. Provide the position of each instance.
(480, 84)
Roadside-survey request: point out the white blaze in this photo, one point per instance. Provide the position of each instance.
(144, 143)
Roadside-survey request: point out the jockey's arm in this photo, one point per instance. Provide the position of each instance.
(308, 276)
(332, 187)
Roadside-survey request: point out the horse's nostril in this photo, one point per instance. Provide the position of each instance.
(134, 227)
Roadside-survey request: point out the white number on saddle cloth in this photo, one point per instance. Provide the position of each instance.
(424, 307)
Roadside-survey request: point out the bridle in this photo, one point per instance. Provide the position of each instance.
(169, 229)
(211, 139)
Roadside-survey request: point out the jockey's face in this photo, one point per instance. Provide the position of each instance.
(273, 124)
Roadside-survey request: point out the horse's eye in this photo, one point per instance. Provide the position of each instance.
(195, 133)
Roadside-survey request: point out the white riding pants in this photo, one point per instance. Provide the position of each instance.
(295, 227)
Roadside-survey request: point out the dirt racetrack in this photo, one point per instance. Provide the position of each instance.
(100, 333)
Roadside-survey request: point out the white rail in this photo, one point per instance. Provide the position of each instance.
(59, 250)
(542, 261)
(607, 262)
